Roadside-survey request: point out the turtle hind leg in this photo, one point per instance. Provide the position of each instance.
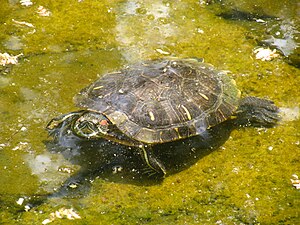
(257, 112)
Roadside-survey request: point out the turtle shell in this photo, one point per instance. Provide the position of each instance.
(163, 100)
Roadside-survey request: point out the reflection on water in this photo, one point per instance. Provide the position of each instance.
(46, 167)
(143, 26)
(276, 28)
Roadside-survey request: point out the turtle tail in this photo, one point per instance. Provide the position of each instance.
(257, 112)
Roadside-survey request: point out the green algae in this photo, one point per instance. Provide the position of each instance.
(246, 181)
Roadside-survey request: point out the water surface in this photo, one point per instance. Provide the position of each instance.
(246, 181)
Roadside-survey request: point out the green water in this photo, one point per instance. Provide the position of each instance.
(246, 181)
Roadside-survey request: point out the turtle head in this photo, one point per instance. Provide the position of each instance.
(91, 125)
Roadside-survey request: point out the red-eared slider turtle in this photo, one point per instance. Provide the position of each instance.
(160, 101)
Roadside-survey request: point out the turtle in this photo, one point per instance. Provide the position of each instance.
(158, 101)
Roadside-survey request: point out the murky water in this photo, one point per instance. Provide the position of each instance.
(68, 44)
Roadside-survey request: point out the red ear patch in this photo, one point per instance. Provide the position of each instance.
(103, 122)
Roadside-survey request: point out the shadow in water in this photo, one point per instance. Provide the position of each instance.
(117, 163)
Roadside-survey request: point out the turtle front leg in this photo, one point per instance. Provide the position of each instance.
(156, 166)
